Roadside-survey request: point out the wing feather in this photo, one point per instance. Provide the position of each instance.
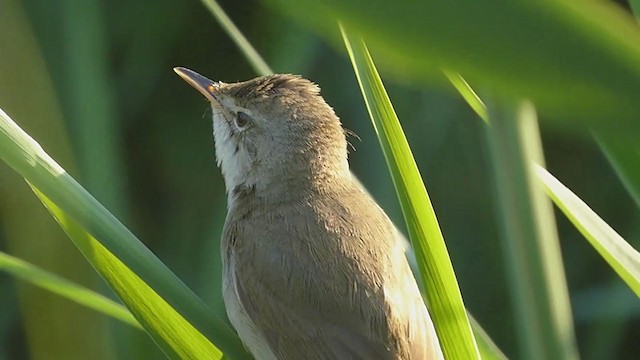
(323, 282)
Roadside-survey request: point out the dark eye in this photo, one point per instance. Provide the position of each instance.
(242, 119)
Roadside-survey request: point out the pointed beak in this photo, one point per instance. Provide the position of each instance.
(204, 85)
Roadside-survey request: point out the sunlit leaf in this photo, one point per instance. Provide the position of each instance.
(443, 295)
(622, 257)
(65, 288)
(119, 256)
(249, 52)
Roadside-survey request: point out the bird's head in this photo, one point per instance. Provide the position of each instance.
(273, 133)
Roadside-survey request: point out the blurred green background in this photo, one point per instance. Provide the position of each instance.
(92, 82)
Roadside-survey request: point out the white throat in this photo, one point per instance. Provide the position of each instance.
(231, 156)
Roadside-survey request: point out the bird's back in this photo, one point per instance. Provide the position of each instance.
(322, 276)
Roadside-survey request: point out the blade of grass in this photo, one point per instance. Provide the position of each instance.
(65, 288)
(26, 157)
(622, 257)
(256, 61)
(622, 149)
(171, 332)
(531, 248)
(467, 93)
(443, 295)
(488, 349)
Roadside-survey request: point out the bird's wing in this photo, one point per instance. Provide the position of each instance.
(292, 335)
(292, 332)
(294, 328)
(329, 286)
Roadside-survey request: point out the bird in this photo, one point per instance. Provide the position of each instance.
(312, 266)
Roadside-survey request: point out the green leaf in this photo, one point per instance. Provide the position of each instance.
(443, 295)
(574, 59)
(622, 149)
(254, 58)
(530, 241)
(616, 251)
(65, 288)
(488, 349)
(468, 94)
(622, 257)
(112, 243)
(172, 333)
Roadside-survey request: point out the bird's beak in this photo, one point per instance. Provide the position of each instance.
(206, 86)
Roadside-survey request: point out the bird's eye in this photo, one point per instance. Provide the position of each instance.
(243, 119)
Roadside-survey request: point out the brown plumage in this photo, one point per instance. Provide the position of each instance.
(313, 268)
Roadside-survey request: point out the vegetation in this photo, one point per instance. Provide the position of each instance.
(97, 93)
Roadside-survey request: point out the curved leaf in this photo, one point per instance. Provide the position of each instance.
(443, 295)
(111, 242)
(65, 288)
(256, 61)
(622, 257)
(171, 332)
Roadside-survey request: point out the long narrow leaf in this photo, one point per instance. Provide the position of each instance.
(622, 149)
(26, 157)
(623, 152)
(622, 257)
(531, 246)
(65, 288)
(256, 61)
(174, 335)
(467, 93)
(443, 294)
(488, 349)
